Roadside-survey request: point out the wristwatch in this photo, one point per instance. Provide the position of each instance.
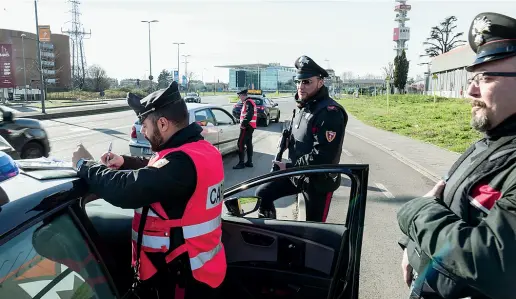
(79, 164)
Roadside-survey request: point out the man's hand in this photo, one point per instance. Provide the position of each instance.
(406, 268)
(437, 191)
(281, 165)
(115, 161)
(80, 153)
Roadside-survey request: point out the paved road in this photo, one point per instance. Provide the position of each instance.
(391, 183)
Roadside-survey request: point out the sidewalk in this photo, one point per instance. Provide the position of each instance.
(428, 159)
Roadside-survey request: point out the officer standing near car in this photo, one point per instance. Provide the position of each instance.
(175, 254)
(317, 138)
(248, 117)
(460, 238)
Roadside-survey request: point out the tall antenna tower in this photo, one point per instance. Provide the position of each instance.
(77, 35)
(401, 33)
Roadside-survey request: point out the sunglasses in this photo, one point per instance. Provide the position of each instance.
(304, 82)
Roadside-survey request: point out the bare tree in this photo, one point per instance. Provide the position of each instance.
(388, 71)
(443, 38)
(34, 69)
(190, 76)
(97, 79)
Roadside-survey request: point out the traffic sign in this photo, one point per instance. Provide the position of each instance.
(151, 77)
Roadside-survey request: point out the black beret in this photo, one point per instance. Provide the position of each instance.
(243, 91)
(154, 101)
(492, 36)
(307, 68)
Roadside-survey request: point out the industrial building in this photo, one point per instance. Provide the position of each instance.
(19, 61)
(449, 76)
(267, 77)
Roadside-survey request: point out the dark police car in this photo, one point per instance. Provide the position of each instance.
(27, 136)
(59, 241)
(266, 108)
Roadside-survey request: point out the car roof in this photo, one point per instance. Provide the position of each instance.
(195, 106)
(29, 197)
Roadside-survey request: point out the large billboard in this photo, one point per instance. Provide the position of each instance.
(6, 66)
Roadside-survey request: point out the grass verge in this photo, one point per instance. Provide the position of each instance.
(445, 123)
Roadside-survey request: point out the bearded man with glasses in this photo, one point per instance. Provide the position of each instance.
(460, 238)
(317, 138)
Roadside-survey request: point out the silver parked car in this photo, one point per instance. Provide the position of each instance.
(219, 128)
(192, 97)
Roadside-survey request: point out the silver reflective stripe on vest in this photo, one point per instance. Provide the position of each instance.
(202, 258)
(151, 213)
(153, 241)
(192, 231)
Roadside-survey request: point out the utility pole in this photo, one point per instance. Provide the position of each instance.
(42, 85)
(178, 65)
(150, 55)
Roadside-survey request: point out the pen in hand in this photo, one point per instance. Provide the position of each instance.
(109, 152)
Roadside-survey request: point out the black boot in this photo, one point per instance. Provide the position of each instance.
(248, 163)
(240, 165)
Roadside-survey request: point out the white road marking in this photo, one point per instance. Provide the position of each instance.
(79, 129)
(347, 153)
(385, 191)
(87, 133)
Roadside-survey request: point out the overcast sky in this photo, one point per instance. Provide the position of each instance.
(353, 36)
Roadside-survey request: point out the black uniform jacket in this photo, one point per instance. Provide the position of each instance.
(249, 113)
(172, 184)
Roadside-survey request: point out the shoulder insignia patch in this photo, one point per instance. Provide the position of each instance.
(160, 163)
(331, 108)
(330, 135)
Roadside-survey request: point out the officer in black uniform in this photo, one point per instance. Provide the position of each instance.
(245, 140)
(317, 138)
(459, 239)
(129, 183)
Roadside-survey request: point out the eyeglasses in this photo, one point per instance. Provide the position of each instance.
(483, 76)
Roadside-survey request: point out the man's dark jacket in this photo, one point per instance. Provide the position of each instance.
(465, 244)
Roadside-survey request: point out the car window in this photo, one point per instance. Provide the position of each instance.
(222, 117)
(257, 101)
(204, 118)
(51, 260)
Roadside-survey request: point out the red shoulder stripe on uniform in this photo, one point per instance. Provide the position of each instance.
(484, 196)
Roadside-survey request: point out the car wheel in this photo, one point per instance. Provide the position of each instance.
(267, 120)
(278, 117)
(32, 150)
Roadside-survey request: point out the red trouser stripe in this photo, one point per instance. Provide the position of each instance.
(327, 206)
(241, 141)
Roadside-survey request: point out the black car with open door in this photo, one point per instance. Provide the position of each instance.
(58, 241)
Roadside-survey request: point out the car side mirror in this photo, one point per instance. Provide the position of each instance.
(7, 116)
(242, 206)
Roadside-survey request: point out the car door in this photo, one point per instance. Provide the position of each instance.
(294, 259)
(228, 130)
(206, 120)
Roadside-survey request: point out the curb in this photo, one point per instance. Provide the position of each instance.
(82, 112)
(425, 172)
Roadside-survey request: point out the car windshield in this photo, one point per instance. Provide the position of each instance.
(191, 94)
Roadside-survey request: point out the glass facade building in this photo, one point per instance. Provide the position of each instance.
(269, 77)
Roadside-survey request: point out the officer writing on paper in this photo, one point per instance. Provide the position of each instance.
(248, 117)
(460, 238)
(317, 138)
(175, 254)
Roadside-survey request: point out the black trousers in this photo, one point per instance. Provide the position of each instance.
(245, 141)
(317, 203)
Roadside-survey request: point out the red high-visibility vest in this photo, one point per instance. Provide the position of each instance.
(201, 223)
(243, 112)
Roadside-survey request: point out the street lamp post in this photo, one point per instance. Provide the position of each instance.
(186, 71)
(178, 65)
(150, 55)
(42, 85)
(24, 68)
